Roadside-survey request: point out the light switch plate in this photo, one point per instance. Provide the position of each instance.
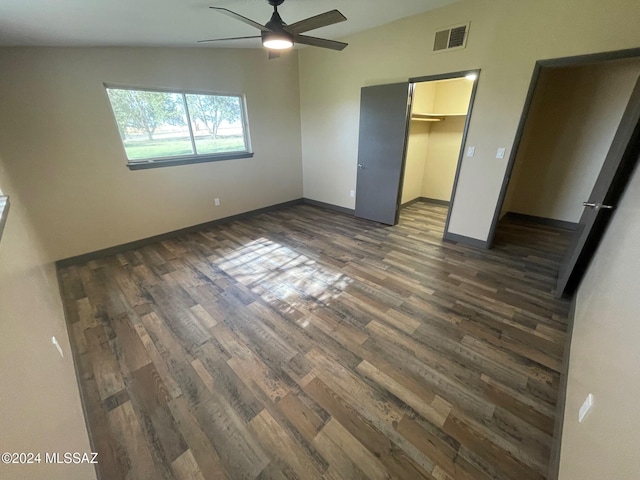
(500, 153)
(471, 151)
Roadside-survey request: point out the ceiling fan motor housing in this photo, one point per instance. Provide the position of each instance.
(275, 3)
(276, 23)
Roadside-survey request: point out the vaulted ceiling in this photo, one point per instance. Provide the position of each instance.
(179, 23)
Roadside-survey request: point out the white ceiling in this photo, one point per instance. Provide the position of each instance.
(179, 23)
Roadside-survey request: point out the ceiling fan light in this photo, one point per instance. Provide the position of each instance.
(277, 40)
(277, 43)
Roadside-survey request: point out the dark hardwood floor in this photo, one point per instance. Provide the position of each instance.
(309, 344)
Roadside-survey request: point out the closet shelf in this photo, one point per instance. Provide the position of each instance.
(434, 117)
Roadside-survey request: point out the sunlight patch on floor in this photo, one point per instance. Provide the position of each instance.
(284, 273)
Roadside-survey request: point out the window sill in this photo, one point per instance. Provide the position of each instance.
(187, 160)
(4, 210)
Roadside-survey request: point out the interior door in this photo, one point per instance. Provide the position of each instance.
(384, 116)
(613, 178)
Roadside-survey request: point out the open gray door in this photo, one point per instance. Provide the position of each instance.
(609, 187)
(384, 116)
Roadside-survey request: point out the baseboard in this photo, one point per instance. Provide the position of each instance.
(556, 446)
(473, 242)
(551, 222)
(107, 252)
(328, 206)
(411, 202)
(434, 201)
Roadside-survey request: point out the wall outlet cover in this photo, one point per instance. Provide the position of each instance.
(585, 408)
(55, 343)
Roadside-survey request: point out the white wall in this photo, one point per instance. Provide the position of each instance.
(63, 151)
(574, 116)
(40, 407)
(605, 358)
(505, 40)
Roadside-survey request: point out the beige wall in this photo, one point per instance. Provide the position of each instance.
(416, 157)
(573, 118)
(605, 358)
(452, 96)
(442, 158)
(505, 40)
(40, 407)
(424, 97)
(63, 150)
(422, 102)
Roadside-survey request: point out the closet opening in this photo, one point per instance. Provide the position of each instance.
(439, 118)
(578, 145)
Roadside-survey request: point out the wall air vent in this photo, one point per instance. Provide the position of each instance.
(452, 38)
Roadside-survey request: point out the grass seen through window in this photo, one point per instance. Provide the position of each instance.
(167, 148)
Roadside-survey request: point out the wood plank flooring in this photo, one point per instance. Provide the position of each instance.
(306, 344)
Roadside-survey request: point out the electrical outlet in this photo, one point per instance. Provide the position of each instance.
(217, 202)
(352, 194)
(585, 408)
(55, 343)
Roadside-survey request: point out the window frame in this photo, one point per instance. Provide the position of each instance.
(193, 158)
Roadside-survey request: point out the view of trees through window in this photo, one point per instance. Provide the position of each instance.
(155, 124)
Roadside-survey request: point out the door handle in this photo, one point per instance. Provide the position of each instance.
(361, 166)
(597, 206)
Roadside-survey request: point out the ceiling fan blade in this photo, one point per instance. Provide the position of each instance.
(223, 39)
(311, 23)
(237, 16)
(273, 54)
(319, 42)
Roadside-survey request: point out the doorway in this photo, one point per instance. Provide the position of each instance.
(439, 111)
(578, 117)
(403, 156)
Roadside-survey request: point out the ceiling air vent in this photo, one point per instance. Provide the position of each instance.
(451, 38)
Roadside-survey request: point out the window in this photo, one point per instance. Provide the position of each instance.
(163, 128)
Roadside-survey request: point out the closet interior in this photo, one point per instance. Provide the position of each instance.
(439, 111)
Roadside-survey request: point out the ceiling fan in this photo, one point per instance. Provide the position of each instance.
(277, 35)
